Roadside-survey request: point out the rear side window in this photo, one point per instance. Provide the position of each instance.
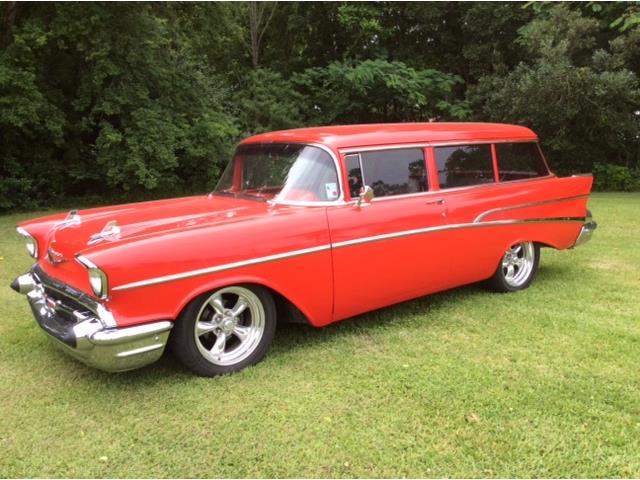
(520, 160)
(388, 172)
(463, 165)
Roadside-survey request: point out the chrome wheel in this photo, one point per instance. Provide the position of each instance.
(229, 325)
(518, 263)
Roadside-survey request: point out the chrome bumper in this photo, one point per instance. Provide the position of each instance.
(86, 330)
(587, 230)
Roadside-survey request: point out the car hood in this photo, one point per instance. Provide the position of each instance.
(87, 230)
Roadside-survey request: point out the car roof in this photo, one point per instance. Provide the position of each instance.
(348, 136)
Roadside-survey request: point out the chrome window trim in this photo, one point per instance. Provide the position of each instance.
(355, 199)
(388, 197)
(458, 189)
(396, 146)
(469, 144)
(402, 196)
(342, 244)
(356, 151)
(338, 201)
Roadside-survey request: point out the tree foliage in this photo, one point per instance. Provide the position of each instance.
(580, 99)
(107, 98)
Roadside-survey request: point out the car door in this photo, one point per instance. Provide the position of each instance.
(390, 249)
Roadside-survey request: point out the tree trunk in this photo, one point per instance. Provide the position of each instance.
(257, 28)
(8, 20)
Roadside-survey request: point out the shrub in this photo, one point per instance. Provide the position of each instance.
(616, 177)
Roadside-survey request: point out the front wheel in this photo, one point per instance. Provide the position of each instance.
(226, 330)
(517, 268)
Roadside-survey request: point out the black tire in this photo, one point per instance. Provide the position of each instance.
(502, 282)
(192, 350)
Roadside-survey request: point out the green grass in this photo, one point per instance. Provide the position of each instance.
(541, 383)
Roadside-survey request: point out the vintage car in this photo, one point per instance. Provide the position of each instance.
(316, 224)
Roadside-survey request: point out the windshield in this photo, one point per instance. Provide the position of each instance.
(283, 172)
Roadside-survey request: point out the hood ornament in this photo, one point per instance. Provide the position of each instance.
(110, 231)
(72, 219)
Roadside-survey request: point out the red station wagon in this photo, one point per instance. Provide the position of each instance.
(318, 223)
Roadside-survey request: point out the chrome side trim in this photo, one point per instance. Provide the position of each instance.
(220, 268)
(346, 243)
(439, 228)
(526, 205)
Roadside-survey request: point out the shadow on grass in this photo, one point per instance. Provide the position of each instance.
(290, 337)
(294, 337)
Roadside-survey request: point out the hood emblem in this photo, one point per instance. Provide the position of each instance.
(110, 231)
(72, 219)
(54, 256)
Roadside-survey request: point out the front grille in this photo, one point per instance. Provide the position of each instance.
(66, 308)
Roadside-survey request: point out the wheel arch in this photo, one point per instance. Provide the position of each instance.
(286, 306)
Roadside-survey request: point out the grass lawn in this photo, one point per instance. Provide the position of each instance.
(467, 383)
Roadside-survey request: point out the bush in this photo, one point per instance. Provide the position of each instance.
(616, 177)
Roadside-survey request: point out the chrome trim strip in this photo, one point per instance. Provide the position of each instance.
(418, 231)
(26, 235)
(444, 191)
(85, 262)
(526, 205)
(346, 243)
(128, 334)
(138, 351)
(220, 268)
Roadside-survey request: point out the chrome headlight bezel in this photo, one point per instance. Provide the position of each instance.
(31, 242)
(97, 278)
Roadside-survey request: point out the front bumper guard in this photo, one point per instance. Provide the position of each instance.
(86, 330)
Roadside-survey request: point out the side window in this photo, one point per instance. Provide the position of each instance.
(520, 160)
(394, 172)
(463, 165)
(354, 174)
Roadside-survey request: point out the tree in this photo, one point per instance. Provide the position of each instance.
(378, 91)
(260, 15)
(580, 99)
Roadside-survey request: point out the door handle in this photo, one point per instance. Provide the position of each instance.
(439, 201)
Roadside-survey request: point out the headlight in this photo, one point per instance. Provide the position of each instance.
(31, 243)
(97, 278)
(98, 281)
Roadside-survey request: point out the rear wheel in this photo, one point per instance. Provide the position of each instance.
(226, 330)
(517, 269)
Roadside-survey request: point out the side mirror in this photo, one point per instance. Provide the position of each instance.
(366, 195)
